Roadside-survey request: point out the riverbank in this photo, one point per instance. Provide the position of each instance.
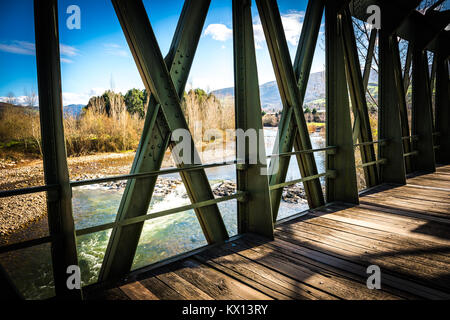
(22, 212)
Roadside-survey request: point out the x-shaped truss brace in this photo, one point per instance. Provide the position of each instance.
(166, 80)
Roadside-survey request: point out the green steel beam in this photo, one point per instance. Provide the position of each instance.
(293, 131)
(358, 96)
(443, 109)
(390, 122)
(369, 57)
(406, 73)
(422, 122)
(396, 66)
(163, 117)
(339, 131)
(421, 30)
(255, 214)
(59, 203)
(366, 76)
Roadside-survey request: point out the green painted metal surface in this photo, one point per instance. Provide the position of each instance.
(422, 122)
(164, 117)
(443, 109)
(343, 187)
(255, 214)
(393, 64)
(59, 203)
(293, 131)
(358, 96)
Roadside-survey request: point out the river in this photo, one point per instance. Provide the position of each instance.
(161, 237)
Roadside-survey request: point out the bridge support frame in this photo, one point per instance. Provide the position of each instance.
(254, 214)
(56, 172)
(166, 88)
(344, 186)
(293, 131)
(443, 109)
(422, 122)
(358, 96)
(391, 108)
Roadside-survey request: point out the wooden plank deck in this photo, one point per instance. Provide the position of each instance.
(324, 254)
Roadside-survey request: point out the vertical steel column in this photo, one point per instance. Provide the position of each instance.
(339, 131)
(442, 109)
(166, 81)
(394, 53)
(390, 126)
(293, 130)
(254, 214)
(59, 204)
(422, 123)
(358, 97)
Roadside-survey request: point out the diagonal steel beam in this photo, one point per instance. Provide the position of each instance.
(358, 97)
(407, 71)
(293, 130)
(366, 76)
(254, 215)
(163, 117)
(394, 54)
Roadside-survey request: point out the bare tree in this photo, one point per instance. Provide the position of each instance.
(30, 98)
(11, 98)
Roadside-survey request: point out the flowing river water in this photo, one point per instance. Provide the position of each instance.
(161, 237)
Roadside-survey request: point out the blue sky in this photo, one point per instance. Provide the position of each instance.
(96, 57)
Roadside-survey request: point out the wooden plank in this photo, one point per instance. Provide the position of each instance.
(387, 261)
(407, 257)
(136, 291)
(329, 282)
(357, 269)
(408, 228)
(352, 271)
(214, 283)
(109, 294)
(428, 253)
(275, 284)
(180, 285)
(160, 289)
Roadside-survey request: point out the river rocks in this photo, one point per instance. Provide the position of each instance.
(225, 188)
(294, 194)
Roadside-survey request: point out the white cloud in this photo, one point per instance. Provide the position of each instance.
(292, 25)
(29, 48)
(65, 60)
(18, 47)
(68, 50)
(21, 100)
(114, 49)
(219, 32)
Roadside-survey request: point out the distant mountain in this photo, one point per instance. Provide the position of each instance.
(270, 96)
(73, 109)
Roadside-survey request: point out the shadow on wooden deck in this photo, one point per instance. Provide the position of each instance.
(405, 230)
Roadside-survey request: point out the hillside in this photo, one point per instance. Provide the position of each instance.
(314, 97)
